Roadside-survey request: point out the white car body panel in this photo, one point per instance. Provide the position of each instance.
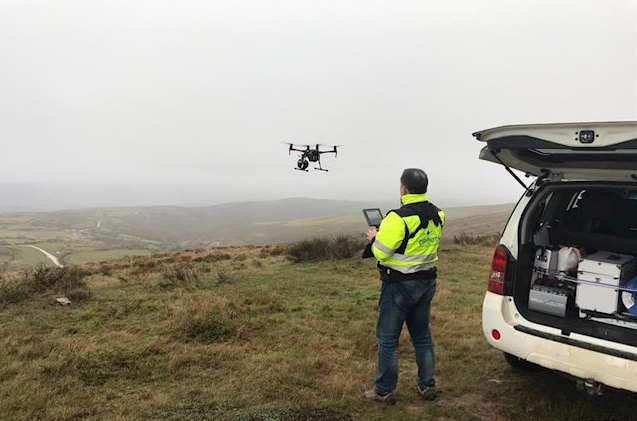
(499, 312)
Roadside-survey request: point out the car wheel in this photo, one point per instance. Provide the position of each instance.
(519, 363)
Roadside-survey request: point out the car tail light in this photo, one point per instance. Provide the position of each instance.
(497, 276)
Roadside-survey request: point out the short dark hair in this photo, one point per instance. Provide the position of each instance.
(415, 180)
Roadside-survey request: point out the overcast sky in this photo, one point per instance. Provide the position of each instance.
(186, 102)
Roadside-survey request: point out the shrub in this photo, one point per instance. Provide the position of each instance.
(64, 278)
(105, 270)
(184, 275)
(272, 251)
(309, 250)
(466, 239)
(67, 281)
(223, 277)
(206, 328)
(347, 246)
(129, 363)
(200, 322)
(12, 290)
(145, 268)
(324, 248)
(212, 257)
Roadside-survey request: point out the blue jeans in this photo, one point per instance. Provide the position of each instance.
(404, 302)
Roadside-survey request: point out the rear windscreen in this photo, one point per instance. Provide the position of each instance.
(597, 218)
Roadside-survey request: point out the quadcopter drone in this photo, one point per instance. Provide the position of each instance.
(309, 154)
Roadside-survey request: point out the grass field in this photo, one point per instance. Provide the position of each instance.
(22, 257)
(96, 254)
(243, 334)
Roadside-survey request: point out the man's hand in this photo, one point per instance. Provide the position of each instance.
(371, 233)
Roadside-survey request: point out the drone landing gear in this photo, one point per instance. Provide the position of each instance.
(320, 167)
(300, 169)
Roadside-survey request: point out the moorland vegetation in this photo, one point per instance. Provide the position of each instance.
(254, 334)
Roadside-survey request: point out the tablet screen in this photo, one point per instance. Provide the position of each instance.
(373, 217)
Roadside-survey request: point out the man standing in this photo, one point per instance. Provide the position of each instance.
(406, 247)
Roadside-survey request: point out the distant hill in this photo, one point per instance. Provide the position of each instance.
(475, 220)
(77, 236)
(258, 223)
(230, 224)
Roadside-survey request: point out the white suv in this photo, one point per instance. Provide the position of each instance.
(562, 289)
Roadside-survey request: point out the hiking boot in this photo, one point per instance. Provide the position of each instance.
(427, 393)
(388, 399)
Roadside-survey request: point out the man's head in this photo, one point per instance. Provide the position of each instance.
(413, 181)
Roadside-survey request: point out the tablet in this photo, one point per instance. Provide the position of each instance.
(373, 217)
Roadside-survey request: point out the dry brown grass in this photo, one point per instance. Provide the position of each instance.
(276, 250)
(280, 342)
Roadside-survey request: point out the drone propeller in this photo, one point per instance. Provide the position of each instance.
(336, 151)
(303, 145)
(293, 147)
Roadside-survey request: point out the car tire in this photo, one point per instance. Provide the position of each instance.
(519, 364)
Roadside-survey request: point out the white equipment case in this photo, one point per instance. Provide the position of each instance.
(603, 268)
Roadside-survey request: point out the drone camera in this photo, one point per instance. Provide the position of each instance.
(302, 164)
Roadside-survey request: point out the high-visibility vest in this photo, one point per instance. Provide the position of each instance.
(408, 238)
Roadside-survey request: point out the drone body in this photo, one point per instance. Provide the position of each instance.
(309, 154)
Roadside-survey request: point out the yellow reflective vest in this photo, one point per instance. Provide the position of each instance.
(408, 238)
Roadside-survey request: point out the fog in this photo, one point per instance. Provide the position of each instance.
(113, 103)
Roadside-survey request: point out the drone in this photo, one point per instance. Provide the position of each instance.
(309, 154)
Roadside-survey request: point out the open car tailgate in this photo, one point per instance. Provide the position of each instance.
(573, 151)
